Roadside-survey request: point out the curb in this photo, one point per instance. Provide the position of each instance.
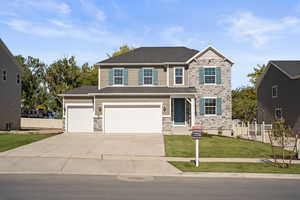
(183, 175)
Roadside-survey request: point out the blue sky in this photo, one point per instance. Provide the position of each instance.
(248, 32)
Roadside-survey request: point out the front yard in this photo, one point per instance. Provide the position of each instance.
(215, 146)
(236, 167)
(11, 141)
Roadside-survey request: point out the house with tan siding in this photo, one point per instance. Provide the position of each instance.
(154, 90)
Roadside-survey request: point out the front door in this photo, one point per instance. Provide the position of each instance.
(179, 111)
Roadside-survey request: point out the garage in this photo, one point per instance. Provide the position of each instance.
(80, 118)
(132, 118)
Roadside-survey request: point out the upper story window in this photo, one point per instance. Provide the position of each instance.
(210, 106)
(18, 78)
(275, 91)
(148, 76)
(179, 75)
(118, 76)
(4, 75)
(210, 75)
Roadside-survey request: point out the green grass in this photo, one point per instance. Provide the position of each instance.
(11, 141)
(215, 146)
(236, 167)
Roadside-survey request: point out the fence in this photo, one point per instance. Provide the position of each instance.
(252, 131)
(41, 123)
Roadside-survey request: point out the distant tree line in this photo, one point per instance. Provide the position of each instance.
(42, 83)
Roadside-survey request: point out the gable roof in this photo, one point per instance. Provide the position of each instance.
(153, 55)
(8, 52)
(291, 68)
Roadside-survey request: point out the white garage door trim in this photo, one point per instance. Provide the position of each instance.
(87, 105)
(158, 130)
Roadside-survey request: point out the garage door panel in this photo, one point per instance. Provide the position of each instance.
(80, 119)
(133, 119)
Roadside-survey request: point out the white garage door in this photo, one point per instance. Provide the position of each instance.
(80, 119)
(133, 119)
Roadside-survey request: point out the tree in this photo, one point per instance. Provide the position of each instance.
(88, 75)
(244, 104)
(122, 49)
(258, 71)
(34, 93)
(62, 75)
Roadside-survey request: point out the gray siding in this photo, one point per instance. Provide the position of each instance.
(10, 101)
(288, 98)
(171, 76)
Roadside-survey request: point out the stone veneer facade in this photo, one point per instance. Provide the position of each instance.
(213, 123)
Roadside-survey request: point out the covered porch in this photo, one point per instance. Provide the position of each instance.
(183, 113)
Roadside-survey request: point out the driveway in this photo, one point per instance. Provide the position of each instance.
(92, 146)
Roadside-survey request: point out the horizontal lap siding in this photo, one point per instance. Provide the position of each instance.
(171, 77)
(133, 76)
(164, 100)
(78, 100)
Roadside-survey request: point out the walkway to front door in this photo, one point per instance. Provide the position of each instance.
(179, 111)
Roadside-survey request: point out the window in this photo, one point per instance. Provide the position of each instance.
(179, 75)
(118, 76)
(147, 76)
(210, 106)
(4, 75)
(18, 78)
(278, 113)
(210, 75)
(275, 91)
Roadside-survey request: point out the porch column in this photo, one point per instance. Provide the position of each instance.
(193, 111)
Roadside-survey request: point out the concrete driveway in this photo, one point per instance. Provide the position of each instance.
(92, 146)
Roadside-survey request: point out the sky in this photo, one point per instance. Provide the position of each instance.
(249, 32)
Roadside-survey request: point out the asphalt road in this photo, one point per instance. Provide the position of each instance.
(73, 187)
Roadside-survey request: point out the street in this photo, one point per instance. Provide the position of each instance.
(44, 187)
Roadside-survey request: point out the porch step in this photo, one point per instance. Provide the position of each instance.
(181, 130)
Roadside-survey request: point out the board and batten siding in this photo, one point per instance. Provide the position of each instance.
(133, 76)
(110, 99)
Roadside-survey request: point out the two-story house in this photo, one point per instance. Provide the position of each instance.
(10, 89)
(277, 94)
(154, 90)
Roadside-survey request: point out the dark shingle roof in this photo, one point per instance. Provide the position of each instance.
(137, 90)
(153, 55)
(291, 67)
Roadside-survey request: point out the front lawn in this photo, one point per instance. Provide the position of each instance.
(236, 167)
(11, 141)
(216, 147)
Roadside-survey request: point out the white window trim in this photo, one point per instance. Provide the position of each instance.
(152, 76)
(276, 109)
(275, 86)
(174, 77)
(122, 68)
(215, 83)
(210, 115)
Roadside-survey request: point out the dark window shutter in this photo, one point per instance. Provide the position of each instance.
(219, 106)
(201, 75)
(125, 76)
(201, 106)
(141, 76)
(111, 77)
(218, 75)
(155, 76)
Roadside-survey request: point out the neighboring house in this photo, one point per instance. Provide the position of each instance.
(10, 89)
(277, 93)
(154, 90)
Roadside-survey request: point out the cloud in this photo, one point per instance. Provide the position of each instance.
(177, 35)
(258, 30)
(59, 23)
(92, 10)
(63, 8)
